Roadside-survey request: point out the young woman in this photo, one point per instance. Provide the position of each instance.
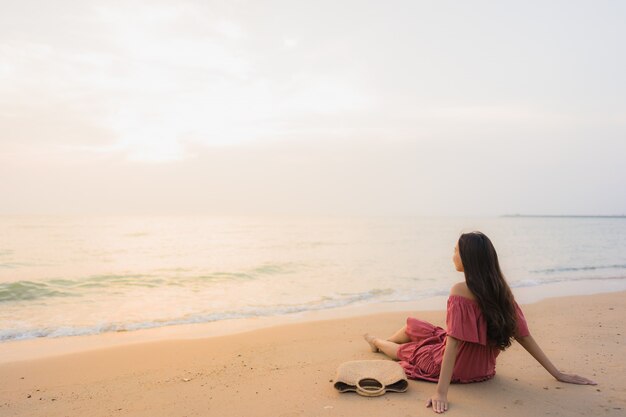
(482, 318)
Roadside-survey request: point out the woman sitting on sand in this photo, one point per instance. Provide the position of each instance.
(482, 318)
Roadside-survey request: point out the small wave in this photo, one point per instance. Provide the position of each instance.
(274, 268)
(339, 300)
(28, 290)
(13, 265)
(61, 287)
(543, 281)
(223, 276)
(579, 268)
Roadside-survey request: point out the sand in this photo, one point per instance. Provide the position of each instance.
(288, 370)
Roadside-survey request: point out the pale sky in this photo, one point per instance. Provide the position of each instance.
(312, 107)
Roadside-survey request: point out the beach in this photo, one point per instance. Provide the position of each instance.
(207, 206)
(288, 369)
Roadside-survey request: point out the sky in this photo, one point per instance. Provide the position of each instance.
(312, 108)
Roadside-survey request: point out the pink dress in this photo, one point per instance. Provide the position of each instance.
(476, 359)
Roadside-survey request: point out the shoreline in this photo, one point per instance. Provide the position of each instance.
(44, 347)
(288, 370)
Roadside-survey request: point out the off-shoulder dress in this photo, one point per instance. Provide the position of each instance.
(476, 358)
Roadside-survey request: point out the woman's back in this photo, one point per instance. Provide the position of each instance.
(476, 358)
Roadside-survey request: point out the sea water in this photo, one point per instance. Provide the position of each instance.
(63, 276)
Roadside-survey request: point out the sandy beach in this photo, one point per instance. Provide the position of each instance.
(207, 205)
(288, 370)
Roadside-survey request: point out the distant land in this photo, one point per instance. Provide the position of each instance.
(616, 216)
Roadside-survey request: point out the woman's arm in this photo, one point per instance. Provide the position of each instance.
(533, 348)
(439, 401)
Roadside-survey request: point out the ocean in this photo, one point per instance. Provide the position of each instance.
(63, 276)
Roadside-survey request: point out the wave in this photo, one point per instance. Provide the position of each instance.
(543, 281)
(579, 268)
(35, 290)
(339, 300)
(29, 290)
(14, 265)
(60, 287)
(336, 300)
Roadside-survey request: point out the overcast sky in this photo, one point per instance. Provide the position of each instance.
(313, 107)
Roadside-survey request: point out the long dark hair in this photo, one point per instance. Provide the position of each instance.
(486, 281)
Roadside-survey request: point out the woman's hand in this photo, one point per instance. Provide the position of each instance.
(574, 379)
(438, 402)
(533, 348)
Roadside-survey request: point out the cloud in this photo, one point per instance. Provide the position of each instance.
(52, 123)
(230, 29)
(308, 108)
(151, 77)
(324, 177)
(290, 42)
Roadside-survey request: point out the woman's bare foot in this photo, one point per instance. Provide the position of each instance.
(370, 340)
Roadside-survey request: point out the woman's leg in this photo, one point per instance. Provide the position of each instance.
(385, 346)
(390, 346)
(400, 336)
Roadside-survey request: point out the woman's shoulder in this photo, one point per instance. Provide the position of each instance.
(464, 319)
(460, 290)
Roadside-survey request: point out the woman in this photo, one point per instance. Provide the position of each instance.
(482, 318)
